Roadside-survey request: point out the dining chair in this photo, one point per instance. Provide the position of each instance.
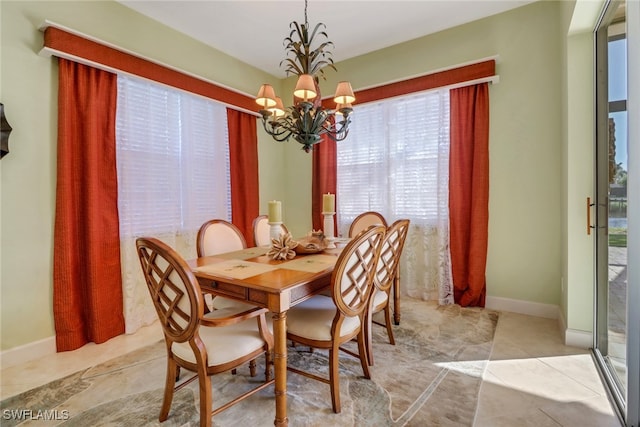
(205, 344)
(262, 230)
(329, 322)
(364, 221)
(215, 237)
(387, 271)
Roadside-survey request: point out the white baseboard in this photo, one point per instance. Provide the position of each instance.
(25, 353)
(548, 311)
(578, 338)
(574, 337)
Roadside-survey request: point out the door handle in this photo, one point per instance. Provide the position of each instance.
(589, 226)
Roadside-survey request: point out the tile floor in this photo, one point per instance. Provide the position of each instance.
(531, 380)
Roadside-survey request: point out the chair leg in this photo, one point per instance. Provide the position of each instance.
(168, 389)
(362, 352)
(334, 379)
(368, 320)
(387, 321)
(206, 405)
(252, 368)
(267, 366)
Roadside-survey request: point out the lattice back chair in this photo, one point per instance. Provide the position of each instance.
(364, 221)
(329, 322)
(197, 342)
(262, 230)
(387, 272)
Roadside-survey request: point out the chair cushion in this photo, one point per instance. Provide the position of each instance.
(225, 343)
(313, 318)
(380, 298)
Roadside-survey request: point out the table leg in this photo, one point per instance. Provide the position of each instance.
(280, 367)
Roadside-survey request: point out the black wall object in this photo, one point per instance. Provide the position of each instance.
(5, 130)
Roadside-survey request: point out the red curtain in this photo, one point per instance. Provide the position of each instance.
(469, 192)
(243, 153)
(87, 287)
(324, 179)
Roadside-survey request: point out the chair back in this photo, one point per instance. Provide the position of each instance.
(218, 236)
(364, 221)
(389, 260)
(352, 277)
(173, 288)
(262, 230)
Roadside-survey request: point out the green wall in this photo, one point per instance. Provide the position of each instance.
(526, 139)
(525, 259)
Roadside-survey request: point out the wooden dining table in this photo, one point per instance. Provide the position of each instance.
(249, 275)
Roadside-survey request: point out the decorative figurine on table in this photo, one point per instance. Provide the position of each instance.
(282, 247)
(314, 242)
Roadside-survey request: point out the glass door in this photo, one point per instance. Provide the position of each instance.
(611, 202)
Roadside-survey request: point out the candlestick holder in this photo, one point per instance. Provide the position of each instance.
(328, 226)
(275, 230)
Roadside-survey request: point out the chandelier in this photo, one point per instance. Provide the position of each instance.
(307, 120)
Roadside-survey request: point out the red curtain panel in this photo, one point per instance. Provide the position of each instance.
(87, 288)
(469, 192)
(324, 179)
(245, 188)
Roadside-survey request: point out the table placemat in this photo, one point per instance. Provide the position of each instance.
(244, 253)
(311, 263)
(236, 268)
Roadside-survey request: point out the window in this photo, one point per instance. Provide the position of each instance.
(396, 159)
(173, 175)
(173, 159)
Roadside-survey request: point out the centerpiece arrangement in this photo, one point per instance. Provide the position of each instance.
(284, 247)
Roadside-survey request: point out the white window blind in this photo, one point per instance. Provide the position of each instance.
(396, 161)
(395, 158)
(173, 175)
(173, 159)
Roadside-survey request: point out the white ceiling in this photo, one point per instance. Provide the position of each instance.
(253, 31)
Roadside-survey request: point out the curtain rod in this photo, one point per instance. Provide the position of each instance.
(492, 79)
(48, 51)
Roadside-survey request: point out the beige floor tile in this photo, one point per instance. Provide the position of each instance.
(594, 412)
(539, 379)
(533, 379)
(528, 418)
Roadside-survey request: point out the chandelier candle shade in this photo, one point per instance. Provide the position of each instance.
(306, 121)
(275, 219)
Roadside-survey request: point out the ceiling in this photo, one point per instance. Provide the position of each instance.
(253, 31)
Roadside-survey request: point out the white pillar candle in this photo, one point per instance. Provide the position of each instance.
(275, 211)
(328, 202)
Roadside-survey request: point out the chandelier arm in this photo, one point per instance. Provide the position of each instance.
(275, 134)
